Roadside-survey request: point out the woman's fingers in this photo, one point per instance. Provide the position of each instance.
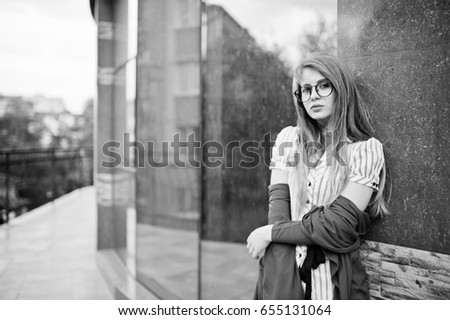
(253, 245)
(258, 240)
(252, 251)
(254, 254)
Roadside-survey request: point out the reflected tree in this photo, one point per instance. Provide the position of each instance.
(249, 104)
(322, 37)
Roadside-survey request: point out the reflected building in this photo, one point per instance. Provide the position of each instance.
(168, 106)
(247, 102)
(247, 94)
(178, 196)
(176, 219)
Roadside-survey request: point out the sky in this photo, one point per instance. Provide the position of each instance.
(49, 47)
(279, 22)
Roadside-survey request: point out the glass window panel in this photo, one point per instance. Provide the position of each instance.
(251, 49)
(187, 13)
(123, 177)
(168, 193)
(119, 179)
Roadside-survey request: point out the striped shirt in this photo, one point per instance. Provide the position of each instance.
(365, 161)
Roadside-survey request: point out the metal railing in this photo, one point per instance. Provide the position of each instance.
(32, 177)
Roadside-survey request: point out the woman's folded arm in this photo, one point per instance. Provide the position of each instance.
(336, 228)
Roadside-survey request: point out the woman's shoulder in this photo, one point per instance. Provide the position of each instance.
(370, 145)
(285, 148)
(366, 159)
(287, 134)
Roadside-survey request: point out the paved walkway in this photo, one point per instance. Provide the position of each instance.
(50, 252)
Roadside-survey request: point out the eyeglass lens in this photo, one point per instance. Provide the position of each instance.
(323, 89)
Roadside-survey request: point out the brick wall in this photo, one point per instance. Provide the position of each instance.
(404, 273)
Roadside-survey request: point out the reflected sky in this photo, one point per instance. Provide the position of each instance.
(280, 23)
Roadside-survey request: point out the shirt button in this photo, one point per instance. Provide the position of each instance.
(307, 201)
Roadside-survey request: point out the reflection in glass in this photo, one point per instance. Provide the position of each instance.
(168, 110)
(247, 101)
(237, 97)
(124, 181)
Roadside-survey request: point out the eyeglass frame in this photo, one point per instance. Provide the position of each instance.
(298, 95)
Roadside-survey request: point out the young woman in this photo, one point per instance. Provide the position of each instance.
(326, 172)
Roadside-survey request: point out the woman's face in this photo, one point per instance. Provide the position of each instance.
(318, 107)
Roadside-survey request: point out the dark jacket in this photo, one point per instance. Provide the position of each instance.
(279, 277)
(336, 230)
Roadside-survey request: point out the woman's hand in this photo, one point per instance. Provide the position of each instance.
(258, 240)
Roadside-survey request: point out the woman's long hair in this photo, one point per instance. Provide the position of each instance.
(349, 121)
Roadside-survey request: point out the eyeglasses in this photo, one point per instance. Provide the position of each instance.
(323, 89)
